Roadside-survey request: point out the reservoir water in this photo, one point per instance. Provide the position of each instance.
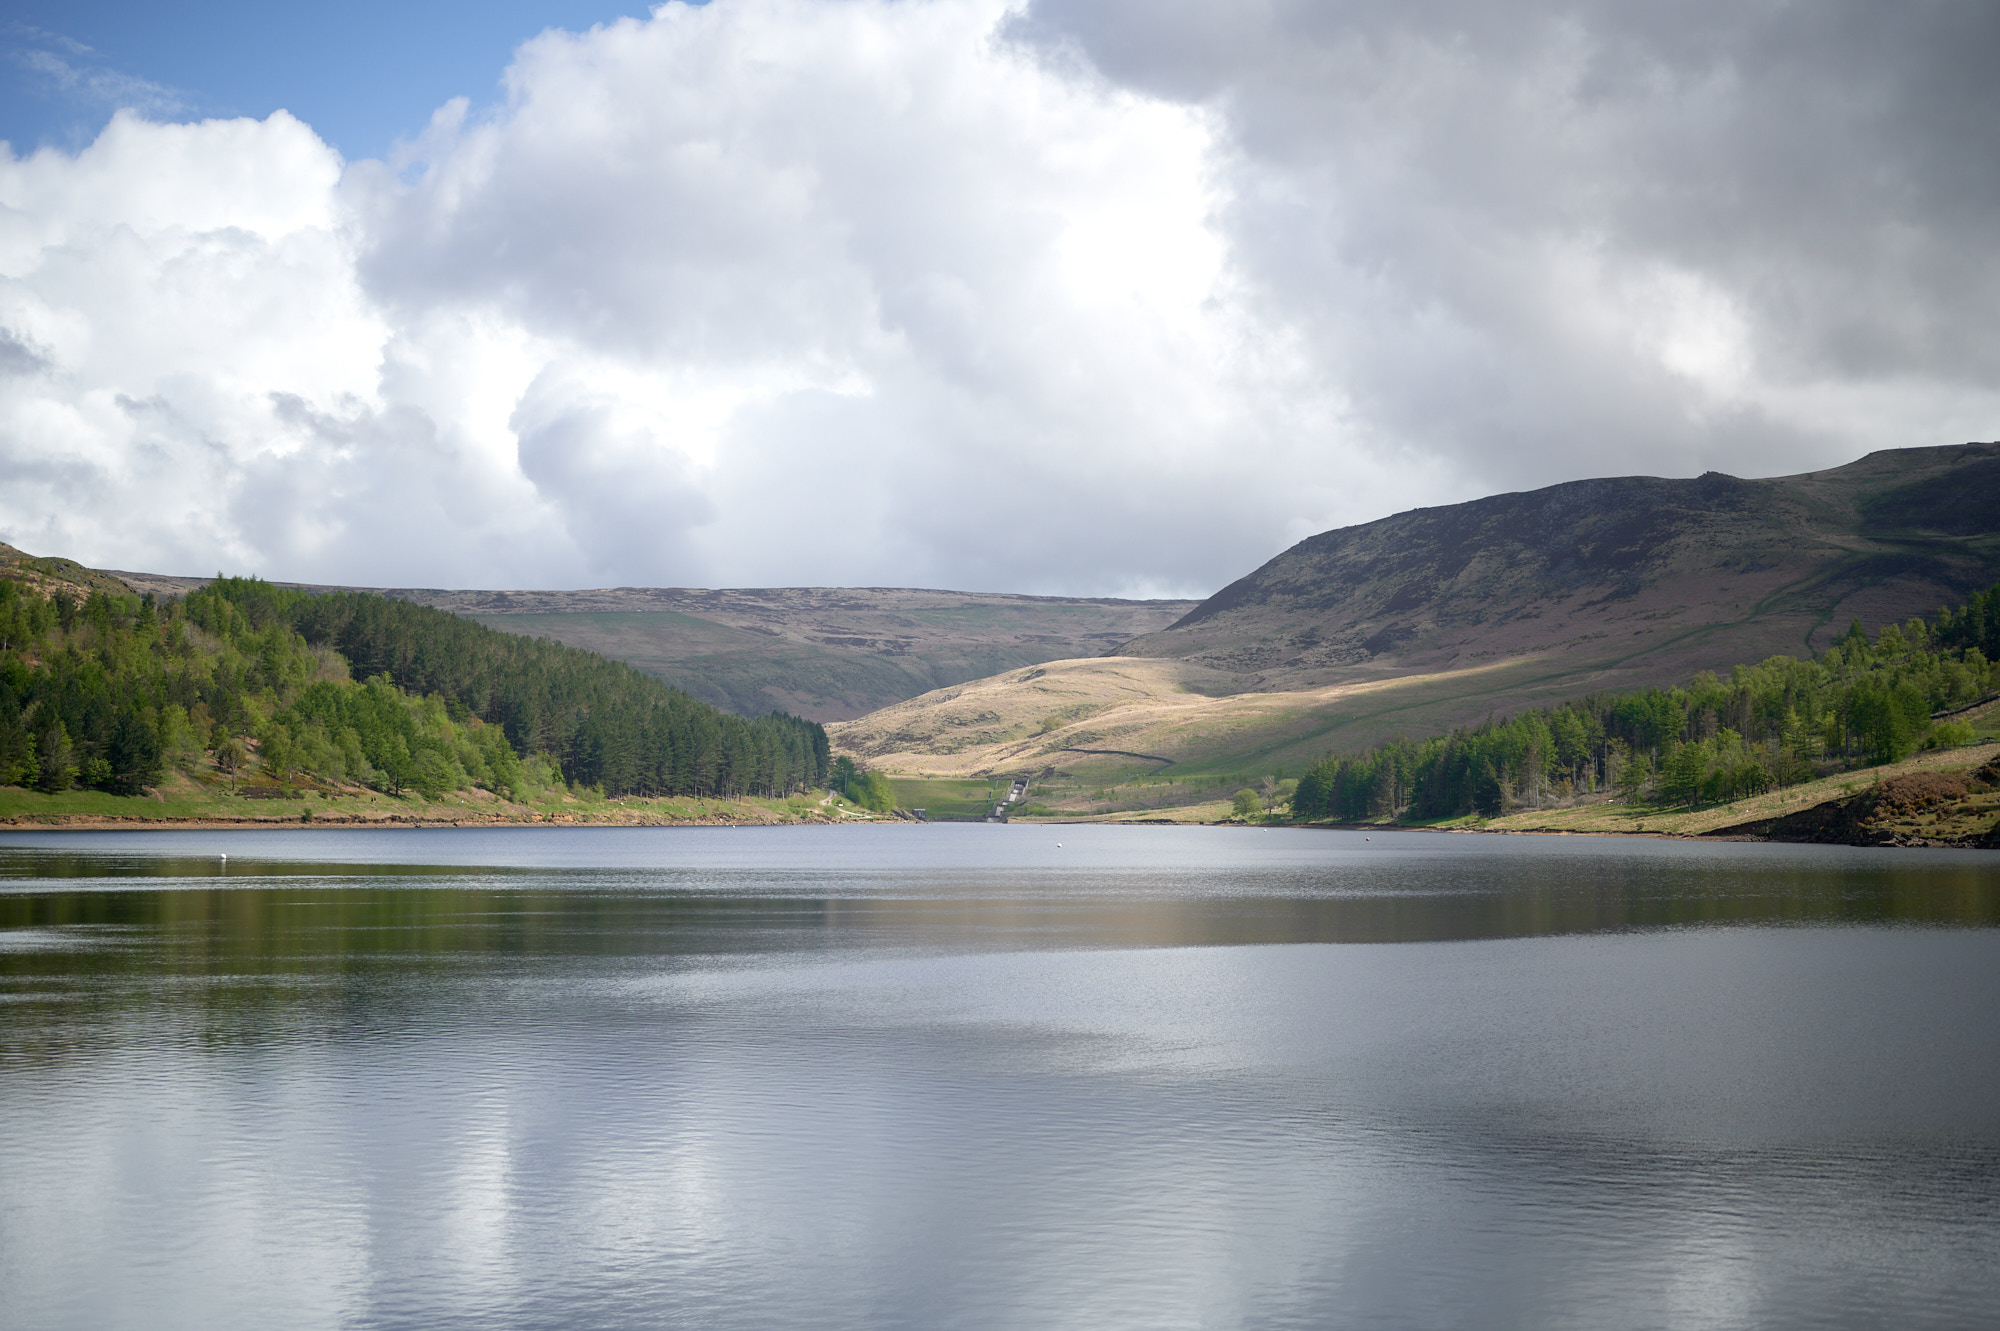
(963, 1076)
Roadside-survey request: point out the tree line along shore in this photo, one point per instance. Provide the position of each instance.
(245, 688)
(245, 703)
(1888, 736)
(1862, 702)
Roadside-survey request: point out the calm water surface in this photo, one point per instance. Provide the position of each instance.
(960, 1076)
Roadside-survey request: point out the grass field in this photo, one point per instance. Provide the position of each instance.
(945, 801)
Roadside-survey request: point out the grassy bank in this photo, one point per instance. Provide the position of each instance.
(1600, 815)
(182, 800)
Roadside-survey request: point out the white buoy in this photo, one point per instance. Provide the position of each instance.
(1058, 845)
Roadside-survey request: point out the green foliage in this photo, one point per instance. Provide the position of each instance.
(1949, 735)
(109, 691)
(432, 774)
(602, 722)
(231, 755)
(875, 793)
(57, 766)
(80, 692)
(1710, 741)
(1246, 804)
(871, 790)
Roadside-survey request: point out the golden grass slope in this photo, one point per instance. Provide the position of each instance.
(1126, 712)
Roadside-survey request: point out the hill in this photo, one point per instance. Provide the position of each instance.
(117, 692)
(49, 576)
(823, 653)
(1441, 616)
(1655, 577)
(1864, 702)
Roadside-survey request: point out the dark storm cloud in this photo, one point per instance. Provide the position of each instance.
(1479, 209)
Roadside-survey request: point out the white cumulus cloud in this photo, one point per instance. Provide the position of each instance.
(1080, 297)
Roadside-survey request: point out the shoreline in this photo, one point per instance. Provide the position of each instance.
(407, 822)
(115, 823)
(83, 822)
(1606, 833)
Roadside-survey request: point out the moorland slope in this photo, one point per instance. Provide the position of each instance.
(1441, 616)
(1654, 577)
(823, 653)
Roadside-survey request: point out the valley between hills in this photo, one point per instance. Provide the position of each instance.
(822, 653)
(1411, 625)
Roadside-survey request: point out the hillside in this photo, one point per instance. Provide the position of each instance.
(823, 653)
(1441, 616)
(1940, 797)
(1642, 576)
(344, 693)
(1124, 713)
(48, 576)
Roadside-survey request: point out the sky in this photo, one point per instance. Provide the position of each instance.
(1089, 297)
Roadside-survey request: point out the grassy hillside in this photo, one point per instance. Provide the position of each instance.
(732, 668)
(947, 800)
(1891, 716)
(1440, 617)
(1117, 716)
(1861, 703)
(1605, 814)
(49, 576)
(1648, 579)
(1068, 797)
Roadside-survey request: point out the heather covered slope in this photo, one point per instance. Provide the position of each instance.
(1637, 579)
(1440, 617)
(823, 653)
